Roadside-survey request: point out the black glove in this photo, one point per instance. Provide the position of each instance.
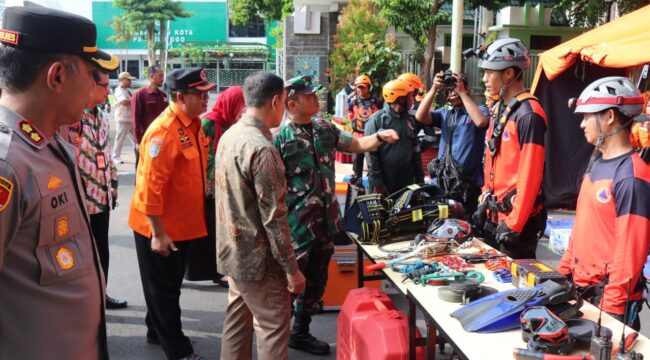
(504, 234)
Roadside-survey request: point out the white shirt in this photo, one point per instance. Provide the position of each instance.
(122, 112)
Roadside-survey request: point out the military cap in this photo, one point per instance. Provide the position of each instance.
(301, 85)
(187, 79)
(40, 28)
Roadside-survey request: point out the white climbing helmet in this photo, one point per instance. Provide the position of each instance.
(609, 92)
(504, 53)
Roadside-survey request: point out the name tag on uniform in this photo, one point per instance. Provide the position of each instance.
(101, 161)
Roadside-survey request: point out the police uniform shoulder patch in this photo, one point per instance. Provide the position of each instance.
(6, 189)
(32, 134)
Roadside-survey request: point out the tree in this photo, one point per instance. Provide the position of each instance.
(123, 31)
(245, 11)
(591, 13)
(419, 20)
(149, 14)
(361, 47)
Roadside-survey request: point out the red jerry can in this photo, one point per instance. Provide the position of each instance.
(358, 305)
(382, 336)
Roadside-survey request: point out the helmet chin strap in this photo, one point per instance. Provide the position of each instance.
(600, 140)
(506, 86)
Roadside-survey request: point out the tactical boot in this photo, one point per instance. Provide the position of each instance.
(301, 339)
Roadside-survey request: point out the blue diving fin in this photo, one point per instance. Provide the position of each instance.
(500, 311)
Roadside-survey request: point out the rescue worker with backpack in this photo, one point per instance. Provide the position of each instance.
(511, 212)
(393, 166)
(361, 105)
(611, 235)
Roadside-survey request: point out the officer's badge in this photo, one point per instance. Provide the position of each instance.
(31, 133)
(62, 226)
(6, 188)
(64, 258)
(54, 182)
(506, 136)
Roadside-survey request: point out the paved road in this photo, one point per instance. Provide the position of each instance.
(203, 303)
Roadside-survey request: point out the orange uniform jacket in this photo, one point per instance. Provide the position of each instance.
(519, 163)
(612, 229)
(170, 181)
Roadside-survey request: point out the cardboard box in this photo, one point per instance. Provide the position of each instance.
(559, 233)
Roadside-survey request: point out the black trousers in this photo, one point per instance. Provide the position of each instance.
(161, 283)
(99, 226)
(525, 246)
(202, 253)
(357, 165)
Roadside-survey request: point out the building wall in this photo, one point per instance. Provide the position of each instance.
(307, 53)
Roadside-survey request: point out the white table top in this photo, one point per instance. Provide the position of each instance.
(486, 346)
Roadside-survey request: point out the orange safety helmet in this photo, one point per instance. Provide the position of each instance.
(395, 89)
(362, 80)
(413, 80)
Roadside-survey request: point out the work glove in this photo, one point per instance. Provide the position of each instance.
(504, 234)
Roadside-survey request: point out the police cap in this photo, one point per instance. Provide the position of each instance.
(40, 28)
(187, 79)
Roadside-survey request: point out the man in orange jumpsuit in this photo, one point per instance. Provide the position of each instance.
(514, 158)
(167, 210)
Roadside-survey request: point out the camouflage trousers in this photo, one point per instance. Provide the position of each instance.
(314, 266)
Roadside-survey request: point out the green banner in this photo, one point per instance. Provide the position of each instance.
(209, 23)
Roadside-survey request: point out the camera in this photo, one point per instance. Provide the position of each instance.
(448, 79)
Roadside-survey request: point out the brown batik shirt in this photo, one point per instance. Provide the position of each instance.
(253, 236)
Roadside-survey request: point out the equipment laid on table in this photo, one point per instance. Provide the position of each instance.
(445, 275)
(500, 311)
(523, 354)
(422, 245)
(408, 211)
(544, 331)
(464, 291)
(369, 327)
(455, 229)
(532, 272)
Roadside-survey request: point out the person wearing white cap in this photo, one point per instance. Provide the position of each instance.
(123, 120)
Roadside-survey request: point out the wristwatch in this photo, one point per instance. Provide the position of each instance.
(381, 140)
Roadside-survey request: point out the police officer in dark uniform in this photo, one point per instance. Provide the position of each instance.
(52, 284)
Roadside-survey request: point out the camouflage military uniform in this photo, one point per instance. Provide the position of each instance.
(308, 153)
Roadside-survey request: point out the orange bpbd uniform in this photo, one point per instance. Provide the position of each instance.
(612, 228)
(170, 180)
(519, 163)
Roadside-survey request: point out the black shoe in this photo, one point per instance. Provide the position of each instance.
(308, 343)
(152, 338)
(112, 303)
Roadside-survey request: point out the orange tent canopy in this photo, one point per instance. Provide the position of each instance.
(621, 43)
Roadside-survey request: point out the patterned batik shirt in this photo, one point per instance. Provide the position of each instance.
(95, 164)
(308, 153)
(253, 236)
